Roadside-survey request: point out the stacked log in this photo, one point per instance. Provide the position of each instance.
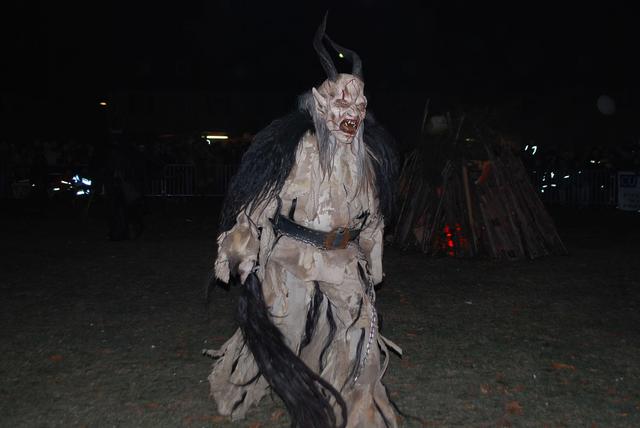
(481, 207)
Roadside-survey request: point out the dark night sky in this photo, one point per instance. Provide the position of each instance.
(549, 61)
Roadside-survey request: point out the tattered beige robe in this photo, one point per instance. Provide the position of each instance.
(289, 270)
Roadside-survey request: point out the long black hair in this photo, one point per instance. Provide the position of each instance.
(305, 394)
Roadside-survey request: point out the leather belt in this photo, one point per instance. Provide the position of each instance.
(336, 239)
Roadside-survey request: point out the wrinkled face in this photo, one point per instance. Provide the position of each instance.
(342, 104)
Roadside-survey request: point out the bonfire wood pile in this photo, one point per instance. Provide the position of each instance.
(479, 207)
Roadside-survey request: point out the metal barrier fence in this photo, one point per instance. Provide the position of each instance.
(568, 188)
(176, 180)
(217, 179)
(578, 188)
(185, 180)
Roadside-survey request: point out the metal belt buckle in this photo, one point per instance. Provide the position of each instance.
(337, 239)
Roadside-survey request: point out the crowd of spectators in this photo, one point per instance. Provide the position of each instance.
(28, 161)
(32, 160)
(623, 157)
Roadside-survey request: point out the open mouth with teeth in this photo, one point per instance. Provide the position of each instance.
(349, 126)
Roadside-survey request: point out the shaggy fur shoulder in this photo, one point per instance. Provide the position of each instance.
(265, 165)
(269, 159)
(382, 149)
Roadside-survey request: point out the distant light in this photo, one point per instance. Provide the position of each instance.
(64, 182)
(566, 176)
(535, 149)
(552, 174)
(526, 147)
(86, 182)
(592, 161)
(103, 103)
(579, 172)
(553, 185)
(340, 55)
(544, 186)
(470, 140)
(602, 187)
(217, 137)
(55, 189)
(80, 192)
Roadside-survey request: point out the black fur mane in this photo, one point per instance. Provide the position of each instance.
(265, 165)
(385, 164)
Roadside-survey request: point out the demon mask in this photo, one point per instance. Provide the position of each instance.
(342, 104)
(340, 100)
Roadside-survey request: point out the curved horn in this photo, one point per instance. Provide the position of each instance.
(356, 68)
(323, 55)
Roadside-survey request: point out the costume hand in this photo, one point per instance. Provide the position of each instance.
(245, 268)
(225, 268)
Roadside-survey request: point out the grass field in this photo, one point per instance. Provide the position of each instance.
(99, 334)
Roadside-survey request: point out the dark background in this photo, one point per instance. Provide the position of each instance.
(543, 65)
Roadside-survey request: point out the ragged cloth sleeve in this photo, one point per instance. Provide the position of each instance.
(264, 168)
(371, 243)
(238, 249)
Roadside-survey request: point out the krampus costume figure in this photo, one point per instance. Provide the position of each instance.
(302, 231)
